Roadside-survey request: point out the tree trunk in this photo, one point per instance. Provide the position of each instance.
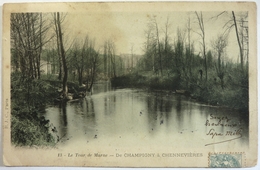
(239, 43)
(201, 24)
(222, 83)
(189, 49)
(58, 48)
(80, 76)
(64, 63)
(40, 51)
(159, 48)
(93, 72)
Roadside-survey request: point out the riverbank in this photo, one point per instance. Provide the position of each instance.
(29, 99)
(208, 92)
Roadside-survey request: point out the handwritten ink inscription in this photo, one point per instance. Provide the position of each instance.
(231, 127)
(236, 132)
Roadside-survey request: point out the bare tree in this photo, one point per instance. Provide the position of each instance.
(112, 57)
(38, 57)
(239, 42)
(94, 63)
(59, 36)
(240, 27)
(189, 53)
(219, 45)
(58, 47)
(179, 53)
(167, 47)
(27, 33)
(202, 35)
(77, 60)
(132, 55)
(154, 46)
(105, 60)
(149, 48)
(108, 58)
(158, 44)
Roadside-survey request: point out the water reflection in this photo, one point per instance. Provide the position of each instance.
(131, 115)
(63, 112)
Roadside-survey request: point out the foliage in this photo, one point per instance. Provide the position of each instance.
(29, 129)
(29, 97)
(31, 92)
(233, 94)
(147, 81)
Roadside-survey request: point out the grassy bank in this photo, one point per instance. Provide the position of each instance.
(29, 97)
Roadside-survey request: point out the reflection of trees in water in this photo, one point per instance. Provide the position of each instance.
(152, 113)
(179, 114)
(62, 128)
(101, 88)
(109, 104)
(109, 100)
(85, 109)
(63, 111)
(106, 105)
(165, 107)
(168, 105)
(178, 105)
(89, 118)
(90, 107)
(159, 109)
(114, 98)
(179, 111)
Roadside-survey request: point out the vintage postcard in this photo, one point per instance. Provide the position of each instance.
(130, 84)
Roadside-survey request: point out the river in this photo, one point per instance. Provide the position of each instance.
(140, 117)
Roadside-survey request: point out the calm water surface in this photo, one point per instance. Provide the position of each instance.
(129, 117)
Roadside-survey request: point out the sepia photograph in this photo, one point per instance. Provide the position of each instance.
(130, 84)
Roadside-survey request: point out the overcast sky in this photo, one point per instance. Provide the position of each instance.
(127, 29)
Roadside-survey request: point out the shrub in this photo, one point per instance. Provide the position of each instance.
(29, 97)
(29, 130)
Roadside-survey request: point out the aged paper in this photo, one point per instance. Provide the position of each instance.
(130, 84)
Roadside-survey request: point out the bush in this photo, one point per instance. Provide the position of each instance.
(29, 97)
(27, 130)
(153, 82)
(131, 80)
(236, 98)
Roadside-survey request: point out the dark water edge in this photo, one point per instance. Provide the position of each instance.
(234, 98)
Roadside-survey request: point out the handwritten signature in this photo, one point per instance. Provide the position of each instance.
(224, 121)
